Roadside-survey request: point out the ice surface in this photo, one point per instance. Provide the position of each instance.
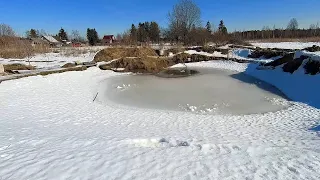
(211, 91)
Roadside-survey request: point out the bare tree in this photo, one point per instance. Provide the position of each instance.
(75, 36)
(293, 24)
(6, 30)
(185, 14)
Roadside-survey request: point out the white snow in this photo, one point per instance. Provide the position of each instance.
(241, 54)
(286, 45)
(56, 60)
(313, 55)
(50, 128)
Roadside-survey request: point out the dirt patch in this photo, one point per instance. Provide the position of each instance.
(109, 54)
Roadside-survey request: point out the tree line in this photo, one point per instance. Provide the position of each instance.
(144, 32)
(184, 26)
(292, 31)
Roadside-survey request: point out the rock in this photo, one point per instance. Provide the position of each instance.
(68, 65)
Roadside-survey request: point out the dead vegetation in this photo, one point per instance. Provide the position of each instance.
(139, 64)
(72, 51)
(109, 54)
(17, 67)
(174, 50)
(15, 47)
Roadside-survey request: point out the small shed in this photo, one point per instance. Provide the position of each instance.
(108, 39)
(38, 42)
(52, 41)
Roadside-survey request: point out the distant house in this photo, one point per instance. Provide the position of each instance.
(76, 44)
(38, 42)
(52, 41)
(108, 39)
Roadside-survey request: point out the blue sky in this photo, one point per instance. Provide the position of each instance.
(115, 16)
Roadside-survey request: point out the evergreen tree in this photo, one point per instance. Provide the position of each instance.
(154, 33)
(222, 28)
(92, 36)
(133, 34)
(95, 36)
(62, 34)
(141, 34)
(209, 27)
(32, 33)
(147, 31)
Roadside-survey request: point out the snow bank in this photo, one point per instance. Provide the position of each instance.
(286, 45)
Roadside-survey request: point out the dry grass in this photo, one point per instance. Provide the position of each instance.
(17, 66)
(142, 65)
(73, 51)
(175, 50)
(14, 47)
(109, 54)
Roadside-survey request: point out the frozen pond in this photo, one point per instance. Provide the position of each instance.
(211, 92)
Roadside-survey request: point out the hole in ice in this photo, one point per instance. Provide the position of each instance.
(212, 91)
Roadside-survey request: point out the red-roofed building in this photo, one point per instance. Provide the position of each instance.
(108, 39)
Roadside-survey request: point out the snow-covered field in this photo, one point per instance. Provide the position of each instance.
(56, 60)
(50, 128)
(286, 45)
